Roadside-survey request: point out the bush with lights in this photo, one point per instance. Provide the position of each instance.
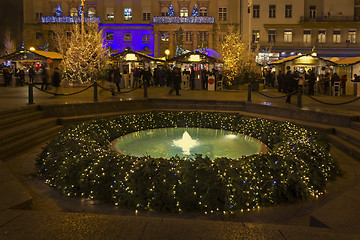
(80, 162)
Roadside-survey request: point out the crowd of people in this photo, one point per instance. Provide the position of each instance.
(160, 77)
(288, 82)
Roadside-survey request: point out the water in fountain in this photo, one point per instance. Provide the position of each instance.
(185, 143)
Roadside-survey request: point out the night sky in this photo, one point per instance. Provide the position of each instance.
(11, 17)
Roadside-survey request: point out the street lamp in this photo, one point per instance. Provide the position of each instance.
(167, 52)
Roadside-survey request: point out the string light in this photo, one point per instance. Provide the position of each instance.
(80, 162)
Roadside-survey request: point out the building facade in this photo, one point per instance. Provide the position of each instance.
(148, 26)
(286, 27)
(278, 27)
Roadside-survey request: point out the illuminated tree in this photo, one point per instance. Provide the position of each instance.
(85, 61)
(171, 12)
(195, 12)
(9, 43)
(179, 40)
(239, 62)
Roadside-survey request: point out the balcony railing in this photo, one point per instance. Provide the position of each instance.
(186, 20)
(330, 19)
(52, 19)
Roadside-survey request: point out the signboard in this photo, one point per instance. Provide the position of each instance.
(211, 83)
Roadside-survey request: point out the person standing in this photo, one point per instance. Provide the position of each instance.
(31, 74)
(280, 81)
(343, 81)
(312, 80)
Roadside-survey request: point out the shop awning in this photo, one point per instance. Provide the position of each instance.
(132, 56)
(32, 55)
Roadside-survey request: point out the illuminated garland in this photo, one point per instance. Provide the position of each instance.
(79, 162)
(191, 20)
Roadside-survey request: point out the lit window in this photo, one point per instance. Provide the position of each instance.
(127, 14)
(312, 12)
(256, 11)
(146, 38)
(223, 14)
(255, 36)
(337, 36)
(184, 12)
(321, 36)
(288, 36)
(272, 11)
(288, 11)
(203, 12)
(110, 14)
(352, 36)
(307, 36)
(127, 37)
(109, 36)
(146, 16)
(74, 12)
(188, 37)
(91, 12)
(271, 36)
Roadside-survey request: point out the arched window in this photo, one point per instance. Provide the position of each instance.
(184, 12)
(165, 11)
(91, 12)
(74, 12)
(203, 12)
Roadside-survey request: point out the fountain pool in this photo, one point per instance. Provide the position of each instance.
(185, 142)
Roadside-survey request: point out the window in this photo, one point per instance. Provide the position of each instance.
(322, 36)
(222, 37)
(352, 36)
(109, 36)
(165, 11)
(146, 38)
(288, 36)
(164, 36)
(184, 12)
(188, 37)
(91, 12)
(127, 14)
(255, 36)
(256, 11)
(202, 36)
(38, 35)
(203, 12)
(271, 36)
(223, 14)
(272, 11)
(288, 11)
(146, 16)
(74, 12)
(337, 36)
(312, 12)
(38, 16)
(110, 14)
(127, 37)
(307, 36)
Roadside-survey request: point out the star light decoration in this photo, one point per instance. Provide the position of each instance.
(79, 162)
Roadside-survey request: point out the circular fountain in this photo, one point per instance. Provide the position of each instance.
(185, 142)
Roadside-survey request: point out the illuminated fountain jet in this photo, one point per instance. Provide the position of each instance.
(185, 143)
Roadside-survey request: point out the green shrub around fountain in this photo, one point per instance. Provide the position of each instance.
(80, 162)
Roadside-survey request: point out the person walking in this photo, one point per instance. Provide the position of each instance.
(312, 80)
(176, 81)
(56, 79)
(343, 81)
(117, 78)
(291, 84)
(44, 78)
